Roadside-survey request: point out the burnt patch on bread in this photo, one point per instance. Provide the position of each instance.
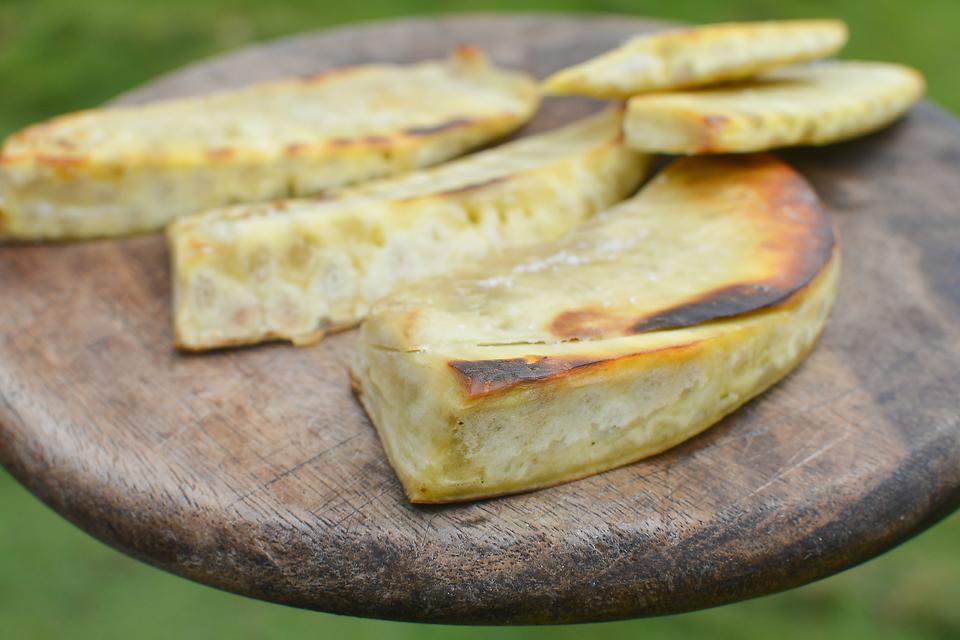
(720, 303)
(484, 377)
(370, 140)
(798, 244)
(460, 191)
(587, 323)
(443, 126)
(357, 389)
(480, 377)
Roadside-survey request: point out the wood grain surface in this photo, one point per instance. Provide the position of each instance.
(255, 471)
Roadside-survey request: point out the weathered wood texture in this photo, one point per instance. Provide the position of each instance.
(255, 471)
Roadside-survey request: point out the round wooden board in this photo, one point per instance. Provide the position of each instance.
(255, 471)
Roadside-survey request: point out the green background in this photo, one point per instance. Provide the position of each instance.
(58, 55)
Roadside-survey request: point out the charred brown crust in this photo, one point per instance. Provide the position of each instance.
(801, 243)
(483, 377)
(480, 377)
(443, 126)
(720, 303)
(589, 322)
(357, 390)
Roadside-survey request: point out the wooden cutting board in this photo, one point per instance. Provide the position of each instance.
(255, 471)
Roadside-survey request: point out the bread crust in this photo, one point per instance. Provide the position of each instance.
(124, 170)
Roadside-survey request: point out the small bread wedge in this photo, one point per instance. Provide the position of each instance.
(634, 332)
(698, 56)
(296, 269)
(813, 104)
(109, 172)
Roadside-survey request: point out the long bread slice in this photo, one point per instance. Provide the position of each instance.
(108, 172)
(296, 269)
(698, 56)
(813, 104)
(632, 333)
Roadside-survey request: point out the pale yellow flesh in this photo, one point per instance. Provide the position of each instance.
(812, 104)
(658, 390)
(132, 169)
(698, 56)
(699, 227)
(476, 392)
(295, 269)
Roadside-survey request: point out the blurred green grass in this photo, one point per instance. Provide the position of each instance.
(59, 55)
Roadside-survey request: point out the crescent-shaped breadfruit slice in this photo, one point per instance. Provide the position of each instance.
(296, 269)
(813, 104)
(108, 172)
(634, 332)
(698, 56)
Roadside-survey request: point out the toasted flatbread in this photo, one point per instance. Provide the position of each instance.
(812, 104)
(294, 270)
(698, 56)
(108, 172)
(634, 332)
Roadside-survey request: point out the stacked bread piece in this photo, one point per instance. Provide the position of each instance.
(528, 321)
(743, 87)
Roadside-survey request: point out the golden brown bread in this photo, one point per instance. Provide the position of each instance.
(813, 104)
(108, 172)
(698, 56)
(634, 332)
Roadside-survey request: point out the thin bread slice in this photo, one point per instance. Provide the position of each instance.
(634, 332)
(812, 104)
(698, 56)
(109, 172)
(294, 270)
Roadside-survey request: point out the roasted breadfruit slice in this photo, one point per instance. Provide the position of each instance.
(109, 172)
(634, 332)
(813, 104)
(296, 269)
(698, 56)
